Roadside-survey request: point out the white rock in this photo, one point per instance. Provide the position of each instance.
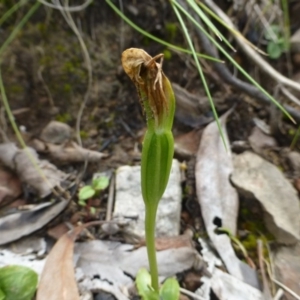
(7, 257)
(294, 161)
(278, 197)
(129, 202)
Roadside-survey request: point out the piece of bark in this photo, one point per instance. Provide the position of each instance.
(41, 175)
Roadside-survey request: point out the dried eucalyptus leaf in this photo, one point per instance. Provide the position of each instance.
(218, 199)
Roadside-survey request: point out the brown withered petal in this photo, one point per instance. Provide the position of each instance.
(148, 77)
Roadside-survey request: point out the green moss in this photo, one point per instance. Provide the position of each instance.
(15, 89)
(251, 220)
(250, 242)
(42, 28)
(61, 48)
(46, 60)
(67, 88)
(91, 118)
(83, 134)
(110, 121)
(167, 54)
(245, 212)
(146, 41)
(171, 29)
(291, 132)
(64, 118)
(68, 67)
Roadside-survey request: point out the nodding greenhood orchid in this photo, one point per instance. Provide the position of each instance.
(158, 102)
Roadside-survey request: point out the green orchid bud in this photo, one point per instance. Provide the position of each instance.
(158, 101)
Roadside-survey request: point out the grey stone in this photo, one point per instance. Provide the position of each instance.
(295, 41)
(129, 202)
(294, 161)
(262, 180)
(287, 268)
(56, 133)
(260, 140)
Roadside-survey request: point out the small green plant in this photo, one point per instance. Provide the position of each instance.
(158, 101)
(89, 191)
(168, 291)
(17, 283)
(276, 41)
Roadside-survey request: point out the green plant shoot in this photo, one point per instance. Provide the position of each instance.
(158, 101)
(89, 191)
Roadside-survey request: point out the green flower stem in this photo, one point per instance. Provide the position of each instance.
(157, 97)
(157, 155)
(150, 217)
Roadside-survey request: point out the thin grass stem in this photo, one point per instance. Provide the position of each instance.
(156, 39)
(18, 27)
(253, 81)
(200, 71)
(12, 10)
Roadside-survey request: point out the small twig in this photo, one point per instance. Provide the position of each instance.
(121, 27)
(188, 293)
(235, 82)
(284, 287)
(256, 58)
(279, 294)
(265, 22)
(3, 128)
(40, 77)
(250, 19)
(289, 95)
(70, 9)
(291, 292)
(266, 289)
(66, 14)
(110, 201)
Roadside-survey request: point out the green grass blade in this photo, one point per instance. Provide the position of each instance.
(286, 22)
(232, 30)
(12, 10)
(295, 139)
(17, 29)
(147, 34)
(253, 81)
(9, 113)
(184, 28)
(208, 22)
(17, 132)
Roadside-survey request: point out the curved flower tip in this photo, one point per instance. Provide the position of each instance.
(154, 89)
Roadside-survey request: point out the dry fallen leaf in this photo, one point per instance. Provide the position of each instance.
(218, 199)
(260, 140)
(67, 153)
(23, 223)
(186, 144)
(58, 279)
(228, 287)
